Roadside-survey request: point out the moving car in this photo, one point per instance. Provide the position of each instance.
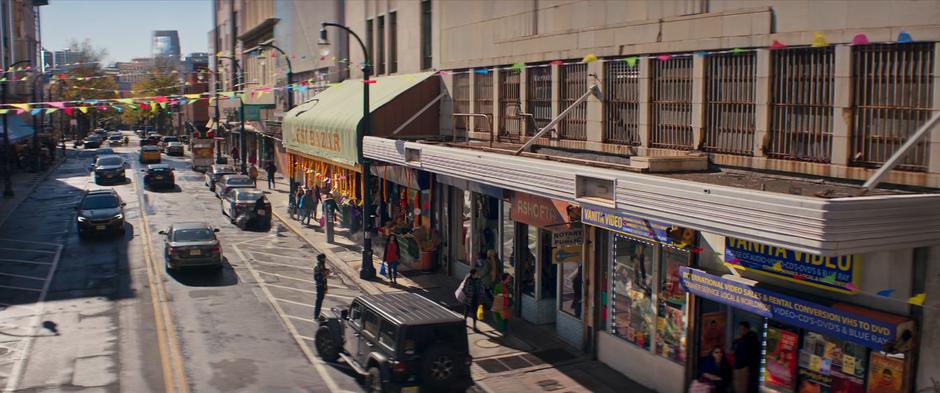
(115, 140)
(100, 211)
(241, 206)
(109, 168)
(149, 153)
(92, 142)
(191, 244)
(173, 149)
(229, 182)
(398, 341)
(165, 141)
(216, 172)
(104, 151)
(159, 175)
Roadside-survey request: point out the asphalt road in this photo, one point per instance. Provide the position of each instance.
(102, 314)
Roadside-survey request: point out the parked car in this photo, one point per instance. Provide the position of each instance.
(159, 175)
(173, 149)
(191, 244)
(398, 341)
(115, 140)
(241, 207)
(229, 182)
(92, 142)
(109, 168)
(149, 153)
(100, 211)
(184, 139)
(216, 172)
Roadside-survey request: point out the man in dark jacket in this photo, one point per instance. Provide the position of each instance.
(746, 359)
(473, 295)
(320, 275)
(271, 169)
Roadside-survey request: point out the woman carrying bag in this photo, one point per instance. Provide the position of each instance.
(502, 302)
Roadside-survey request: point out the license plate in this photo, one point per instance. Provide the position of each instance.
(409, 389)
(195, 252)
(158, 177)
(262, 212)
(109, 176)
(99, 227)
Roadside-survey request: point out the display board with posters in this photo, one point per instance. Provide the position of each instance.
(885, 374)
(780, 359)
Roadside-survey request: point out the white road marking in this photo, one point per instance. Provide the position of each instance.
(17, 371)
(278, 255)
(308, 320)
(24, 261)
(282, 264)
(289, 288)
(293, 302)
(317, 363)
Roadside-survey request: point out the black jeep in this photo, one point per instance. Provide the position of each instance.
(398, 342)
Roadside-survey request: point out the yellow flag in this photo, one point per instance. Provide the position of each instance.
(24, 107)
(918, 299)
(125, 101)
(84, 109)
(211, 100)
(191, 96)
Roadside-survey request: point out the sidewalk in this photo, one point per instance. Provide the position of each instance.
(528, 358)
(24, 183)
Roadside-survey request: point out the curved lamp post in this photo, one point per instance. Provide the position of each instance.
(290, 100)
(366, 271)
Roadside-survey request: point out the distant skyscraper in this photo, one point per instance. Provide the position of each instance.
(63, 59)
(166, 43)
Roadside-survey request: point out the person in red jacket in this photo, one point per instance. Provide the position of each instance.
(391, 257)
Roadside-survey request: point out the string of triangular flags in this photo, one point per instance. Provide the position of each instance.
(819, 41)
(917, 299)
(29, 68)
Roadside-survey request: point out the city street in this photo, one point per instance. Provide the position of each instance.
(103, 313)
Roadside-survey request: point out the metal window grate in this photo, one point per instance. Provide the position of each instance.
(574, 84)
(483, 97)
(622, 107)
(730, 80)
(461, 100)
(509, 104)
(539, 96)
(893, 85)
(801, 97)
(671, 103)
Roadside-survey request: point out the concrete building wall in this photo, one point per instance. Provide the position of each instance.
(408, 33)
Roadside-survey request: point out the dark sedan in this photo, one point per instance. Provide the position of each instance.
(109, 169)
(191, 244)
(159, 175)
(92, 142)
(216, 172)
(100, 211)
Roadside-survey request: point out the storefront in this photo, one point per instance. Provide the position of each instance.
(405, 202)
(642, 310)
(474, 218)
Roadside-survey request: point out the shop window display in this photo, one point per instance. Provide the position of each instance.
(632, 281)
(672, 310)
(780, 359)
(571, 279)
(527, 275)
(827, 365)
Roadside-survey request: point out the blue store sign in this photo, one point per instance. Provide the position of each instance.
(830, 321)
(839, 274)
(638, 227)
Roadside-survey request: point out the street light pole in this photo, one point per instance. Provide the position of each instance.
(366, 271)
(241, 113)
(7, 180)
(290, 103)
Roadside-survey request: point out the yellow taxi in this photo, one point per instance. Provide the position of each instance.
(149, 153)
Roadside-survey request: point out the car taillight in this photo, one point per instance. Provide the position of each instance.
(400, 367)
(216, 249)
(171, 251)
(172, 175)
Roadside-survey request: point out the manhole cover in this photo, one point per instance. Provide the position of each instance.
(487, 343)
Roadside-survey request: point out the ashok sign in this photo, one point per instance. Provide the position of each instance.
(838, 273)
(541, 211)
(833, 322)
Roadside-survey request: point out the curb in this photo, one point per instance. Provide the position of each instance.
(29, 191)
(366, 286)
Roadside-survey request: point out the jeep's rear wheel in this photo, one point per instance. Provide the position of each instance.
(326, 344)
(440, 367)
(373, 382)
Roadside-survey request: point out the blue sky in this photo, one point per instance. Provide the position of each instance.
(123, 27)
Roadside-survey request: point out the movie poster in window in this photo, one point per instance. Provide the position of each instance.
(780, 366)
(885, 374)
(713, 332)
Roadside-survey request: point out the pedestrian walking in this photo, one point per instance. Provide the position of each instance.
(715, 371)
(271, 169)
(502, 302)
(317, 198)
(391, 257)
(253, 174)
(746, 360)
(296, 198)
(307, 207)
(473, 295)
(234, 154)
(320, 275)
(252, 159)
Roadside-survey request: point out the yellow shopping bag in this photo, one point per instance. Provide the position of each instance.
(480, 312)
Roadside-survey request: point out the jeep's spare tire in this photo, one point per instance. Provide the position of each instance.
(327, 346)
(441, 366)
